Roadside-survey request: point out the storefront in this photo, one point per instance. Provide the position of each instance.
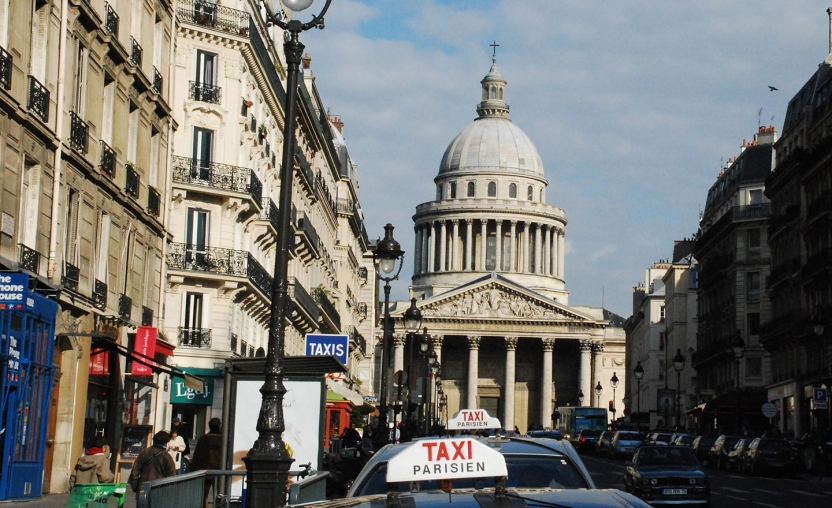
(192, 405)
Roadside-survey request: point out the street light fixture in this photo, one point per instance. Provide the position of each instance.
(386, 253)
(268, 460)
(614, 384)
(580, 397)
(639, 374)
(598, 390)
(679, 365)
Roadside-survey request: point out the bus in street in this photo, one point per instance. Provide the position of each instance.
(572, 420)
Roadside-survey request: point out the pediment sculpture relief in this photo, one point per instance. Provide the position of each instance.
(491, 302)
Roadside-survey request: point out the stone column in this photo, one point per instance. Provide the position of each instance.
(473, 370)
(597, 357)
(586, 371)
(555, 251)
(538, 265)
(425, 247)
(512, 260)
(469, 227)
(398, 352)
(417, 256)
(483, 238)
(432, 247)
(546, 397)
(527, 249)
(455, 246)
(436, 342)
(443, 246)
(508, 387)
(498, 246)
(561, 267)
(547, 246)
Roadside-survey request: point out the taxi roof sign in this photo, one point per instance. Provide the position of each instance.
(446, 459)
(467, 419)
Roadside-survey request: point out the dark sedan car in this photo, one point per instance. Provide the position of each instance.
(734, 457)
(585, 441)
(667, 475)
(769, 455)
(718, 456)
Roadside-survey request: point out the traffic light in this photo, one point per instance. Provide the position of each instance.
(612, 406)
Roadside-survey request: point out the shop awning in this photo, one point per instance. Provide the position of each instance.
(344, 392)
(191, 381)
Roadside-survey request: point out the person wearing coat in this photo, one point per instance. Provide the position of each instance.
(176, 448)
(93, 466)
(152, 463)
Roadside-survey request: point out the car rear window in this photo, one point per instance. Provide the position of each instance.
(630, 436)
(588, 433)
(664, 437)
(666, 456)
(524, 472)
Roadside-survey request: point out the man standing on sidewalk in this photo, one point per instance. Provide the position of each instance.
(207, 452)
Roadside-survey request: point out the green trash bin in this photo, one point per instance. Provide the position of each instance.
(96, 495)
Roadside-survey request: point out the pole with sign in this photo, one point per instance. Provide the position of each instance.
(321, 344)
(819, 398)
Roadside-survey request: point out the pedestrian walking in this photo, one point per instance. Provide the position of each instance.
(176, 449)
(207, 452)
(152, 463)
(350, 437)
(93, 466)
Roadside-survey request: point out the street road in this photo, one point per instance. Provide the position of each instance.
(730, 490)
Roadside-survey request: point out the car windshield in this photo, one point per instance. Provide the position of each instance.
(524, 471)
(666, 456)
(687, 439)
(665, 438)
(630, 436)
(590, 433)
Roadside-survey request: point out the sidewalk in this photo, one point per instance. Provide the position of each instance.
(46, 501)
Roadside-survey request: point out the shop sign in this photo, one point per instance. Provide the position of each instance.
(13, 289)
(13, 362)
(181, 394)
(99, 362)
(321, 344)
(145, 346)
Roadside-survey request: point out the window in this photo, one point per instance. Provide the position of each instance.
(39, 40)
(512, 191)
(196, 237)
(471, 189)
(205, 68)
(662, 312)
(753, 323)
(491, 253)
(755, 197)
(71, 228)
(79, 78)
(29, 204)
(192, 318)
(754, 367)
(203, 153)
(439, 192)
(109, 107)
(530, 193)
(102, 240)
(453, 190)
(753, 283)
(754, 239)
(492, 190)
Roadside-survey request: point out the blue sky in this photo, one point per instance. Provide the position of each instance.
(633, 106)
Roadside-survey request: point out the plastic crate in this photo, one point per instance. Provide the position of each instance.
(96, 495)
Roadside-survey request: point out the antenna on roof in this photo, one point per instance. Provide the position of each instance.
(759, 113)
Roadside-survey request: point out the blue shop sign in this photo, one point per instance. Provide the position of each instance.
(320, 344)
(13, 290)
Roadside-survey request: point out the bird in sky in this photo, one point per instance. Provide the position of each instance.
(771, 88)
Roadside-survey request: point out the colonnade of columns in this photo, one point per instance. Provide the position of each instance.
(519, 246)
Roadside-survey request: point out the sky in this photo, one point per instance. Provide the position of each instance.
(634, 107)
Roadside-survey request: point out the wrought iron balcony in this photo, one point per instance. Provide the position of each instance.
(29, 259)
(358, 339)
(147, 316)
(329, 310)
(38, 99)
(243, 348)
(269, 212)
(253, 124)
(361, 309)
(131, 183)
(99, 294)
(110, 20)
(305, 170)
(259, 276)
(135, 52)
(238, 263)
(204, 92)
(5, 69)
(195, 337)
(153, 202)
(302, 300)
(218, 176)
(233, 340)
(77, 133)
(310, 235)
(108, 160)
(362, 272)
(125, 307)
(157, 81)
(71, 276)
(209, 14)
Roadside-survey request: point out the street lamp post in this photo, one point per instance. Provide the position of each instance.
(598, 390)
(614, 384)
(639, 374)
(412, 321)
(268, 460)
(387, 252)
(580, 397)
(737, 347)
(679, 365)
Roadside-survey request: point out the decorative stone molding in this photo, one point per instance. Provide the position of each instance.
(492, 301)
(548, 344)
(399, 340)
(436, 341)
(597, 347)
(511, 343)
(474, 341)
(585, 345)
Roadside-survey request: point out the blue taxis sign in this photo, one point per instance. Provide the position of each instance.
(321, 344)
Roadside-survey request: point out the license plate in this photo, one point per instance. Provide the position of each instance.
(674, 492)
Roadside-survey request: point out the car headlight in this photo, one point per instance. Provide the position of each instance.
(693, 481)
(700, 481)
(645, 481)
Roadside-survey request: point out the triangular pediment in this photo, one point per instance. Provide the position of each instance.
(496, 297)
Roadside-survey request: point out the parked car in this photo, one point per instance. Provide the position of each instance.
(659, 438)
(586, 440)
(549, 434)
(701, 446)
(770, 455)
(718, 455)
(624, 443)
(661, 474)
(603, 443)
(734, 457)
(682, 440)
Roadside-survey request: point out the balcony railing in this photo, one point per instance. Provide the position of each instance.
(29, 258)
(157, 81)
(218, 176)
(204, 92)
(205, 13)
(99, 294)
(77, 133)
(238, 263)
(110, 20)
(131, 183)
(135, 52)
(38, 99)
(243, 348)
(71, 276)
(5, 69)
(125, 307)
(305, 170)
(108, 160)
(259, 276)
(153, 202)
(233, 342)
(305, 226)
(759, 211)
(195, 337)
(270, 212)
(147, 316)
(327, 307)
(302, 299)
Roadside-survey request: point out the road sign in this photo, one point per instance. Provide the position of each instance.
(819, 398)
(769, 410)
(319, 344)
(400, 377)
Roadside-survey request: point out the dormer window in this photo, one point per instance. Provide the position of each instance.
(492, 190)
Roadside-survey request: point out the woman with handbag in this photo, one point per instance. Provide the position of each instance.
(176, 448)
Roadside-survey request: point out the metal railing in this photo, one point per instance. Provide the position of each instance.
(204, 92)
(305, 225)
(5, 69)
(38, 99)
(204, 13)
(125, 307)
(147, 316)
(253, 124)
(29, 259)
(157, 81)
(110, 20)
(269, 212)
(238, 263)
(99, 294)
(259, 276)
(108, 160)
(195, 337)
(305, 170)
(131, 182)
(135, 52)
(327, 307)
(299, 295)
(153, 202)
(77, 133)
(233, 342)
(71, 276)
(218, 176)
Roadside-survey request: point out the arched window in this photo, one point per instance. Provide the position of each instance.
(501, 93)
(530, 193)
(493, 92)
(492, 190)
(471, 189)
(439, 192)
(453, 190)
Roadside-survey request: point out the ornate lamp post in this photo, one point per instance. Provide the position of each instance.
(639, 374)
(412, 321)
(598, 390)
(387, 252)
(580, 397)
(679, 365)
(737, 347)
(614, 384)
(268, 461)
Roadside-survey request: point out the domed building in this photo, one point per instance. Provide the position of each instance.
(489, 280)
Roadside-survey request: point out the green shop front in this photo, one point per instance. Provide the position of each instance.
(193, 406)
